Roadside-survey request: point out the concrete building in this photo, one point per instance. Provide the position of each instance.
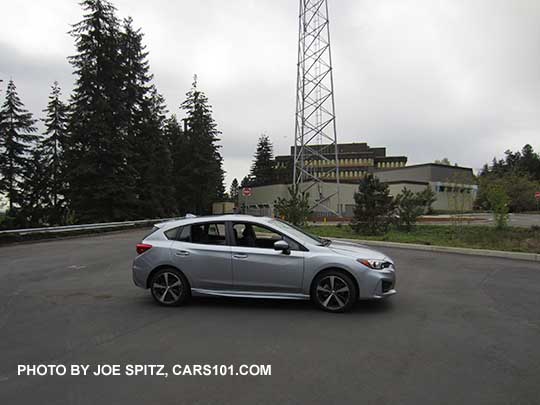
(454, 187)
(355, 160)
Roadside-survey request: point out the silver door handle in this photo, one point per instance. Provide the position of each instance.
(240, 256)
(182, 253)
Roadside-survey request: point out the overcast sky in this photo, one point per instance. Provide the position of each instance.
(424, 78)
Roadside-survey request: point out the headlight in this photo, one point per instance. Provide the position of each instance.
(374, 264)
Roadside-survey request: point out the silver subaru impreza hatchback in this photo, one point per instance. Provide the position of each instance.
(245, 256)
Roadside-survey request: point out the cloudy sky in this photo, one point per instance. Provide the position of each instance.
(425, 78)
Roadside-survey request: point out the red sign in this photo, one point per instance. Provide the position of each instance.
(246, 191)
(537, 195)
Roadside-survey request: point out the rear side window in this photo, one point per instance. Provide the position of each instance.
(202, 234)
(172, 234)
(208, 233)
(180, 234)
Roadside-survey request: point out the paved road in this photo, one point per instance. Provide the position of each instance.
(462, 330)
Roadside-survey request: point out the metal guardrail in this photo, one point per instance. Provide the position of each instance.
(75, 228)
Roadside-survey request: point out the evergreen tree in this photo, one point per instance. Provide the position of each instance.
(202, 173)
(154, 164)
(233, 192)
(145, 114)
(52, 149)
(34, 197)
(16, 139)
(178, 146)
(99, 153)
(262, 170)
(374, 207)
(247, 181)
(409, 206)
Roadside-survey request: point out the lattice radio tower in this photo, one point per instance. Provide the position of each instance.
(316, 160)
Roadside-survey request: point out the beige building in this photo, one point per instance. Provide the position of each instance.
(454, 188)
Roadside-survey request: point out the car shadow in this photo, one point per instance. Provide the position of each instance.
(261, 304)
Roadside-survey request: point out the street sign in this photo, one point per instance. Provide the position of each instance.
(246, 191)
(537, 195)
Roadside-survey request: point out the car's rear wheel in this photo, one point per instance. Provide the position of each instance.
(334, 291)
(170, 287)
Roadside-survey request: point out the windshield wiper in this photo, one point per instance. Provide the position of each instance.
(325, 242)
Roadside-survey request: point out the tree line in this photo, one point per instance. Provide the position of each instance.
(111, 152)
(516, 176)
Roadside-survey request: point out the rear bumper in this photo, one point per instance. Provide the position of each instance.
(140, 275)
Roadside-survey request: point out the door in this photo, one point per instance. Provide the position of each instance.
(258, 267)
(201, 251)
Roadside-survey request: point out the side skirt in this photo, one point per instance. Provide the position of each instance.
(247, 294)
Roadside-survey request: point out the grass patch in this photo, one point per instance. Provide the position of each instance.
(476, 237)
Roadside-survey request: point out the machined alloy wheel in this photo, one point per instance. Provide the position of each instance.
(334, 292)
(169, 287)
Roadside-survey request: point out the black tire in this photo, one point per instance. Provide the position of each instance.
(170, 287)
(334, 291)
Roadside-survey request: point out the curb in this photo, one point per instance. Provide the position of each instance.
(531, 257)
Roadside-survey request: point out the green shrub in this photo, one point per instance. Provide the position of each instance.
(498, 201)
(295, 209)
(409, 206)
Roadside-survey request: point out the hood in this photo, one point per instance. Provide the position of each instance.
(357, 251)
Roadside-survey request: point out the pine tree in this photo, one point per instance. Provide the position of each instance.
(145, 109)
(52, 149)
(34, 197)
(262, 170)
(154, 165)
(201, 173)
(177, 145)
(233, 192)
(99, 154)
(247, 181)
(16, 139)
(374, 207)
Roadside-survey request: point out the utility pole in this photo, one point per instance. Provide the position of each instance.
(316, 154)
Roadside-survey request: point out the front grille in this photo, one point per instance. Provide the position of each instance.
(386, 286)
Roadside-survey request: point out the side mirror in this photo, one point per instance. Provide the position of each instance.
(282, 246)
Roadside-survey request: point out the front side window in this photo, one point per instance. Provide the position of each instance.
(257, 236)
(297, 233)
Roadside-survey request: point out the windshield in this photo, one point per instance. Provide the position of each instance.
(299, 233)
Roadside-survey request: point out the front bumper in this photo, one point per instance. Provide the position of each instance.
(378, 285)
(386, 294)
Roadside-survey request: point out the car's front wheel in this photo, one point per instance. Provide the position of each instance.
(170, 287)
(334, 291)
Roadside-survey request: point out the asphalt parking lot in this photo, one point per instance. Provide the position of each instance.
(462, 330)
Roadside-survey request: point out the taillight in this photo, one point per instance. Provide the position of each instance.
(143, 247)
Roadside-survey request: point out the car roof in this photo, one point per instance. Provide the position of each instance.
(212, 218)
